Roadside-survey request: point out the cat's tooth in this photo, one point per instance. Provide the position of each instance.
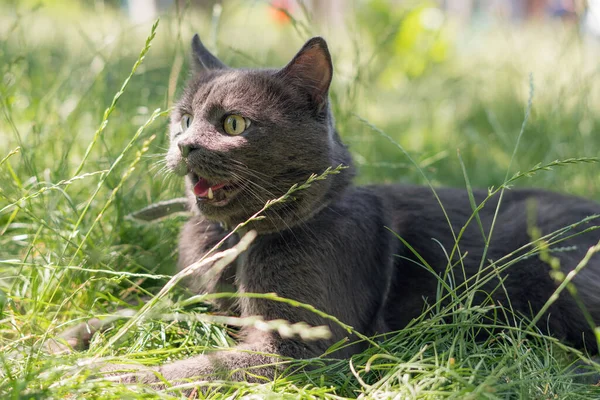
(210, 194)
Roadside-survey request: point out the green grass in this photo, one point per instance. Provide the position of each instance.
(81, 146)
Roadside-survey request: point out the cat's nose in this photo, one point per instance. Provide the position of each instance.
(185, 149)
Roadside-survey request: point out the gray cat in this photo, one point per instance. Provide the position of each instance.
(244, 136)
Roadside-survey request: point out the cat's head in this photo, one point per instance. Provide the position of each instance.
(245, 136)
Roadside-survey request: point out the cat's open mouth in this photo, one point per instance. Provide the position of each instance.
(217, 194)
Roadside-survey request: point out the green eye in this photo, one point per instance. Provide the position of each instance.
(186, 121)
(235, 124)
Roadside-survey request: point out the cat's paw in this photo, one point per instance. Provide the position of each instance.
(130, 373)
(184, 376)
(195, 369)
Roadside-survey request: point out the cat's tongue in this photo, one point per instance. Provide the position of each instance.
(202, 187)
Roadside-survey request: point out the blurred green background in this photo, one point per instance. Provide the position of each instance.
(435, 76)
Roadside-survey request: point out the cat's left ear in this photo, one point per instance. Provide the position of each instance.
(312, 70)
(202, 58)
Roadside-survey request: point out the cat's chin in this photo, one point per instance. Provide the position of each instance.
(218, 198)
(217, 209)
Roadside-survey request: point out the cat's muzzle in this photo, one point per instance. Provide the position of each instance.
(214, 192)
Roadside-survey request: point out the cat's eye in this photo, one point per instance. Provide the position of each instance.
(235, 124)
(186, 121)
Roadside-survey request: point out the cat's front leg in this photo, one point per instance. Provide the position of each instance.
(254, 360)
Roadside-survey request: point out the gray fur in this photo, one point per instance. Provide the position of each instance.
(202, 58)
(330, 247)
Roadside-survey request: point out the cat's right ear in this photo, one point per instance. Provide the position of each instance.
(312, 70)
(202, 58)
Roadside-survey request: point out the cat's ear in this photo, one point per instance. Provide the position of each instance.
(202, 58)
(312, 70)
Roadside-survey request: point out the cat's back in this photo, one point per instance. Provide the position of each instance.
(437, 226)
(429, 227)
(412, 207)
